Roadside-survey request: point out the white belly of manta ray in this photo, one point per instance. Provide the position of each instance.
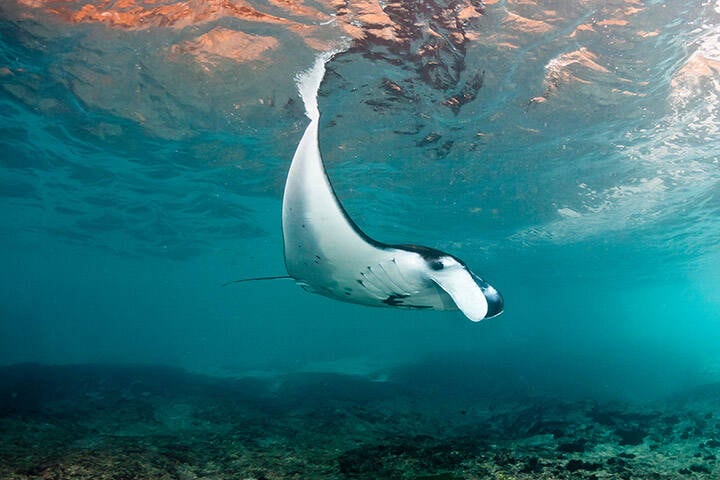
(327, 253)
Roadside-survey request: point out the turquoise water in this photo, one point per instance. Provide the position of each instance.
(134, 185)
(566, 151)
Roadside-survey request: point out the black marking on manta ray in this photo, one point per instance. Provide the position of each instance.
(427, 253)
(395, 300)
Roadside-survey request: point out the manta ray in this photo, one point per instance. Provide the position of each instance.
(328, 254)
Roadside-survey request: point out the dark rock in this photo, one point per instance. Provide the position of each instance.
(177, 452)
(504, 457)
(699, 469)
(423, 450)
(575, 446)
(618, 464)
(713, 443)
(630, 436)
(531, 465)
(362, 461)
(575, 465)
(671, 419)
(444, 456)
(438, 476)
(602, 417)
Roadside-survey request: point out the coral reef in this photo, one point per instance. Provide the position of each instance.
(101, 422)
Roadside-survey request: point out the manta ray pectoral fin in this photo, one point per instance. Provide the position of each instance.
(466, 294)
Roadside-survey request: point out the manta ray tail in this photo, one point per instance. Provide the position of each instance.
(256, 279)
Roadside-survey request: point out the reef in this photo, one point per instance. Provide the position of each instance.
(105, 422)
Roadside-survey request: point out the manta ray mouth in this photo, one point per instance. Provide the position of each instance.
(493, 297)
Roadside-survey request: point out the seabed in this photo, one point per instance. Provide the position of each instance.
(109, 422)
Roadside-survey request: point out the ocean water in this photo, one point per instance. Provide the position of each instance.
(566, 151)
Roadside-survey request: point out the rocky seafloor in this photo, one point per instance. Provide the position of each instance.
(111, 422)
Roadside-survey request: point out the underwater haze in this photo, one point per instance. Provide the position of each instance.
(568, 152)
